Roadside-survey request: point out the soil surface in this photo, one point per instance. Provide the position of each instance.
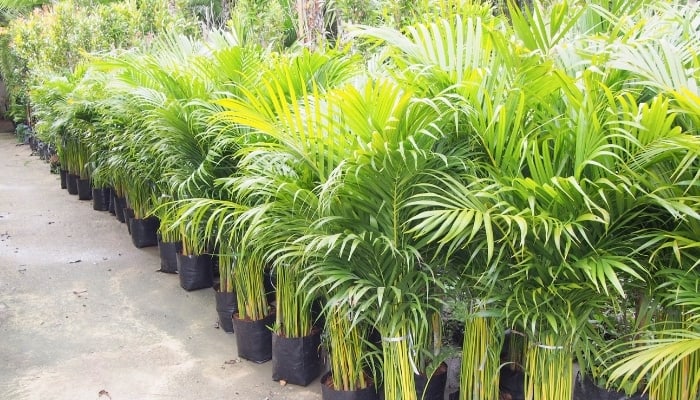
(85, 315)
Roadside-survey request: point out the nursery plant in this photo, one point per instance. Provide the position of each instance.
(569, 207)
(264, 190)
(537, 168)
(371, 265)
(457, 60)
(175, 134)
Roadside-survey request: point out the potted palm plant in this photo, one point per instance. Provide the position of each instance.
(255, 317)
(296, 338)
(350, 375)
(195, 265)
(274, 185)
(366, 226)
(226, 303)
(84, 183)
(47, 100)
(169, 239)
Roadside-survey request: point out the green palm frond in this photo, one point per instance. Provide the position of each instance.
(541, 27)
(443, 55)
(650, 361)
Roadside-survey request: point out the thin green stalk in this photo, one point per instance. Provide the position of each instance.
(399, 378)
(548, 370)
(226, 268)
(70, 151)
(345, 348)
(250, 286)
(677, 381)
(82, 159)
(140, 195)
(480, 359)
(293, 308)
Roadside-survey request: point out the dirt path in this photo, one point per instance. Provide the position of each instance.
(85, 315)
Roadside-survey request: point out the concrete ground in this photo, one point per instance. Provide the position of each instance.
(85, 315)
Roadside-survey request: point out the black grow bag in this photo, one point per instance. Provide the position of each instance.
(119, 205)
(254, 338)
(433, 389)
(195, 271)
(168, 256)
(100, 199)
(296, 360)
(112, 201)
(144, 232)
(512, 382)
(84, 189)
(586, 389)
(128, 216)
(330, 393)
(72, 183)
(226, 306)
(63, 173)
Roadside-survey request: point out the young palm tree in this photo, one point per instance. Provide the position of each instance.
(171, 87)
(463, 63)
(275, 176)
(368, 261)
(553, 155)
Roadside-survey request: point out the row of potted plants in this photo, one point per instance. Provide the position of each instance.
(535, 173)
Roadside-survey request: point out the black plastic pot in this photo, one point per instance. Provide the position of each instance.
(119, 205)
(330, 393)
(226, 306)
(44, 151)
(33, 142)
(195, 271)
(586, 389)
(296, 360)
(254, 338)
(144, 232)
(168, 255)
(84, 189)
(433, 389)
(63, 173)
(100, 199)
(512, 382)
(72, 183)
(112, 201)
(128, 216)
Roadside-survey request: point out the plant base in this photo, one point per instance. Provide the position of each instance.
(195, 271)
(296, 360)
(128, 216)
(112, 201)
(64, 178)
(330, 393)
(144, 232)
(72, 184)
(84, 189)
(119, 205)
(254, 338)
(168, 256)
(586, 389)
(226, 306)
(100, 199)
